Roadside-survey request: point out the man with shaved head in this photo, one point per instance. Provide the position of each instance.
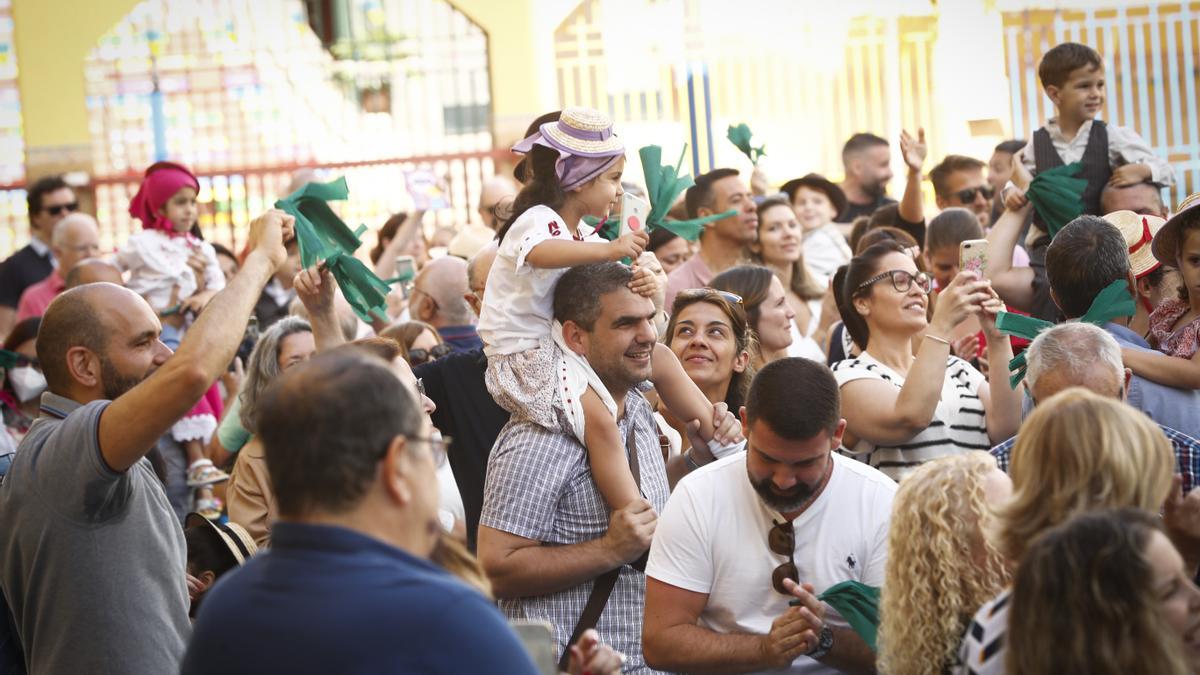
(438, 299)
(75, 238)
(93, 559)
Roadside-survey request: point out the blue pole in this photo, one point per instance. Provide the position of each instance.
(708, 118)
(692, 117)
(158, 118)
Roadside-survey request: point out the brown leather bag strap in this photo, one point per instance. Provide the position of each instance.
(605, 583)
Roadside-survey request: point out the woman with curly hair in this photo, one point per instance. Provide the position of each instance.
(1105, 593)
(1076, 452)
(940, 567)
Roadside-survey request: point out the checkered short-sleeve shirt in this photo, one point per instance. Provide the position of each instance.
(539, 486)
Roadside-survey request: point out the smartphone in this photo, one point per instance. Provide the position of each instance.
(972, 255)
(538, 638)
(406, 268)
(633, 213)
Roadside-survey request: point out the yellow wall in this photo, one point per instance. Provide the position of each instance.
(52, 38)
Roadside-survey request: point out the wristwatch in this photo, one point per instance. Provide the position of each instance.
(824, 643)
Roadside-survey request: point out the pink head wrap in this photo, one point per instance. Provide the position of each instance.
(162, 181)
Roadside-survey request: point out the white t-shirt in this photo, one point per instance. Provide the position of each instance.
(712, 538)
(157, 262)
(518, 304)
(803, 345)
(825, 249)
(959, 423)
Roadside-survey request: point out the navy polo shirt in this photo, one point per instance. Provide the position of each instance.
(327, 599)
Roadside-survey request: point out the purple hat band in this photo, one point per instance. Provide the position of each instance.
(573, 168)
(583, 134)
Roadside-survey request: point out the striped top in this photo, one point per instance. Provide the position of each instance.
(958, 422)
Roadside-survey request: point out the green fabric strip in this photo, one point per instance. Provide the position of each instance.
(1057, 196)
(740, 136)
(1112, 302)
(324, 238)
(858, 603)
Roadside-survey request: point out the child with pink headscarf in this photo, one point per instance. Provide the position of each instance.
(177, 272)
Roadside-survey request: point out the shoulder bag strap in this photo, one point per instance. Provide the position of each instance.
(605, 583)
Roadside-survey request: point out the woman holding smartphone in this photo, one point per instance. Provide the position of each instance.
(901, 408)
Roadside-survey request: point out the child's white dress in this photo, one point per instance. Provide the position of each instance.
(531, 373)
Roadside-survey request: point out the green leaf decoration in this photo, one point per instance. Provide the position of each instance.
(858, 604)
(324, 238)
(1112, 302)
(1057, 196)
(740, 136)
(663, 187)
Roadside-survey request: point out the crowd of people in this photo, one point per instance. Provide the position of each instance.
(824, 436)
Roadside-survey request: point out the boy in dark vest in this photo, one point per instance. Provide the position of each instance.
(1073, 77)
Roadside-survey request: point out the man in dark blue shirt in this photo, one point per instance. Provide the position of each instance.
(346, 586)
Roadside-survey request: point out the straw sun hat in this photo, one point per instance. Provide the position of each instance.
(1167, 241)
(580, 131)
(1139, 231)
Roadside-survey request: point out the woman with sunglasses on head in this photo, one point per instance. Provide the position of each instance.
(900, 409)
(712, 338)
(420, 341)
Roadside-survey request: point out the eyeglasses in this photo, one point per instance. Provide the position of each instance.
(968, 195)
(418, 356)
(437, 447)
(782, 541)
(901, 281)
(701, 293)
(57, 209)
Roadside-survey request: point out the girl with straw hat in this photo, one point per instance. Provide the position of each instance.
(574, 167)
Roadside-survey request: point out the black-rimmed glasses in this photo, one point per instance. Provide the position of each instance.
(902, 281)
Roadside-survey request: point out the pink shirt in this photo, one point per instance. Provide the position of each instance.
(37, 297)
(691, 274)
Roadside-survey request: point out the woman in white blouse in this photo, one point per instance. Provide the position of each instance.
(903, 409)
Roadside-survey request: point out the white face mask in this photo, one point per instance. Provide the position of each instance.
(27, 382)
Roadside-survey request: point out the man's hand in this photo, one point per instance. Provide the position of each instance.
(268, 234)
(1130, 174)
(914, 150)
(630, 530)
(314, 286)
(647, 260)
(796, 631)
(593, 657)
(759, 185)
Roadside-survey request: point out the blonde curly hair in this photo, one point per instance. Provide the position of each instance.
(940, 567)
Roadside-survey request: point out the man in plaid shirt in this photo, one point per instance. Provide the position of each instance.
(545, 533)
(1084, 355)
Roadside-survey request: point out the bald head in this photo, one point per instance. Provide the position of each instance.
(93, 271)
(75, 237)
(495, 190)
(76, 318)
(445, 281)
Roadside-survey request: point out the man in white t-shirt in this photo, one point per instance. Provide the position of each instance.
(744, 536)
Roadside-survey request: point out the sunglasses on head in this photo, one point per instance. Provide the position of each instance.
(57, 209)
(699, 293)
(781, 539)
(418, 356)
(967, 196)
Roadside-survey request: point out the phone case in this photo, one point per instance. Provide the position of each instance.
(633, 213)
(972, 255)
